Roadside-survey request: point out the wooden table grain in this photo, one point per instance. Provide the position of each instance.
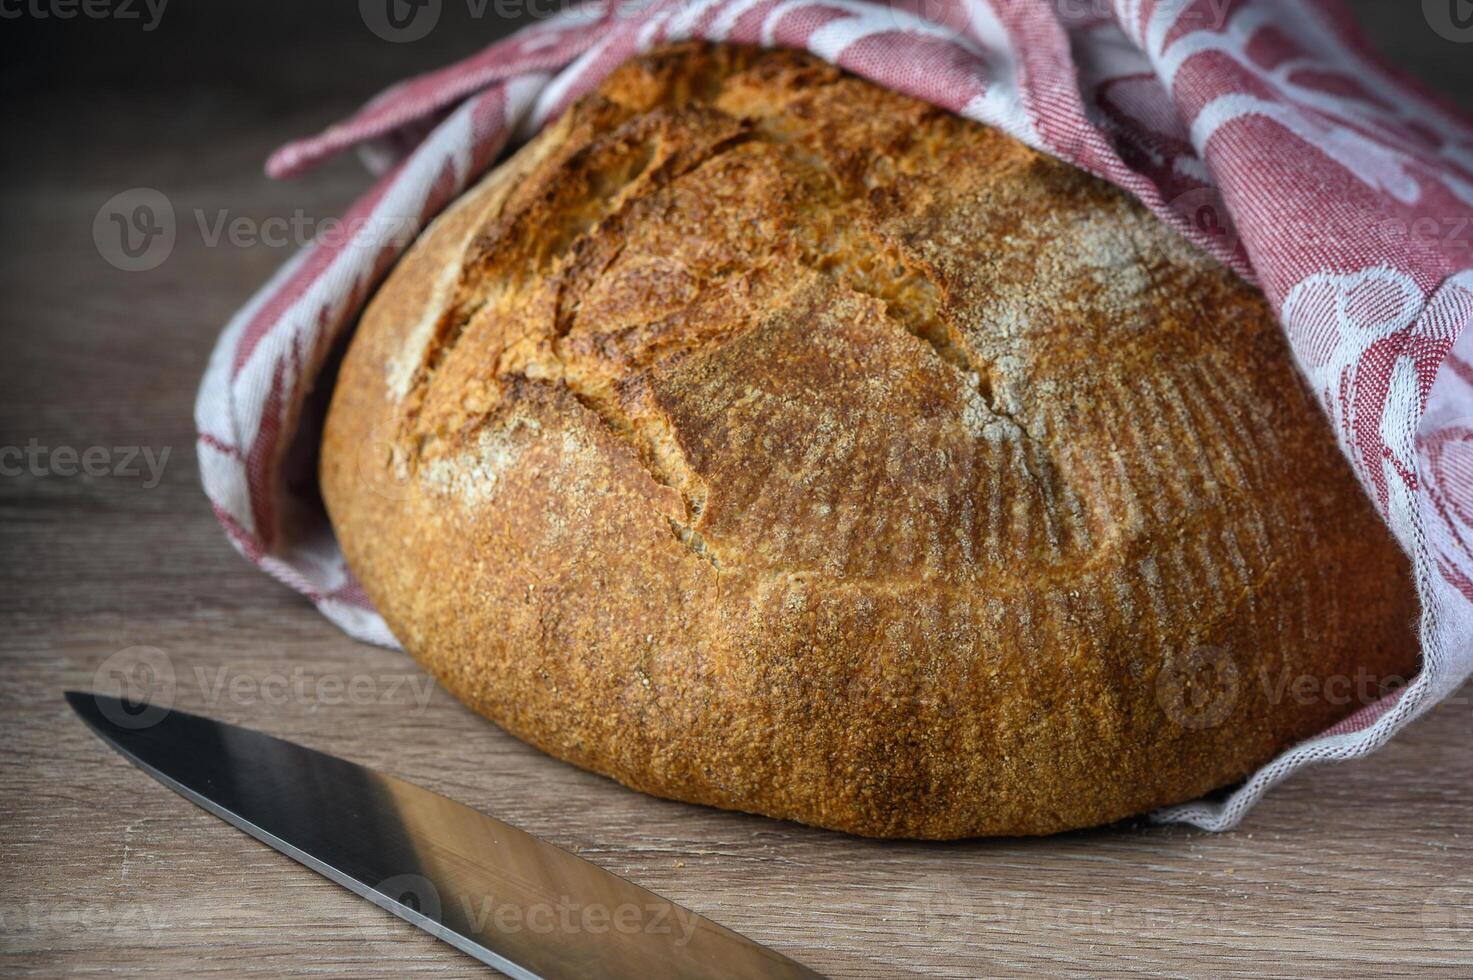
(1359, 869)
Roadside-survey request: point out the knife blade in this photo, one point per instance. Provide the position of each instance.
(512, 901)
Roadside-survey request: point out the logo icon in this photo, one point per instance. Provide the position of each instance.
(1198, 689)
(948, 15)
(945, 906)
(143, 681)
(414, 892)
(1208, 217)
(382, 463)
(1451, 19)
(134, 231)
(1449, 909)
(400, 21)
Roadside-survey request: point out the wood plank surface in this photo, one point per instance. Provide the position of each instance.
(1357, 869)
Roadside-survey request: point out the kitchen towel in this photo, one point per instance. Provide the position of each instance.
(1265, 131)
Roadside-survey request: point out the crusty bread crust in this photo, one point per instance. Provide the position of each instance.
(765, 439)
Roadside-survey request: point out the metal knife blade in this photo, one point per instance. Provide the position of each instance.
(510, 900)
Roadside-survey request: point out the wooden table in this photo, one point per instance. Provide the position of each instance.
(1360, 868)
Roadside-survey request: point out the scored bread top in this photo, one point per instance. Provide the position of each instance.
(764, 438)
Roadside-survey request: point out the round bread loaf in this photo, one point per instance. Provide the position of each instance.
(766, 439)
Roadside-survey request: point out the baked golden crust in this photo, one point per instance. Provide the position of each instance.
(765, 439)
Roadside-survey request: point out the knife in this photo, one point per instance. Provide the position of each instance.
(512, 901)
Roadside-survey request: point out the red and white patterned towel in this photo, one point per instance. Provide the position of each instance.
(1264, 130)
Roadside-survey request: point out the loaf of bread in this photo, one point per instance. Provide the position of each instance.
(765, 439)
